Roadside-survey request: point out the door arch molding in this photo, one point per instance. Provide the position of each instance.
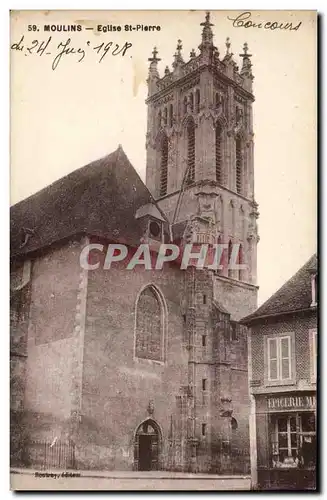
(147, 445)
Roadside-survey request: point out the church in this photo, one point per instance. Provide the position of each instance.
(142, 369)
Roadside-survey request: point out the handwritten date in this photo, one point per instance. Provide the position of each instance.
(66, 48)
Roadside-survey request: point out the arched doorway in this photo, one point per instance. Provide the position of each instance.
(147, 446)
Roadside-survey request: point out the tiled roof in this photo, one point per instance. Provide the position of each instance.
(100, 199)
(294, 295)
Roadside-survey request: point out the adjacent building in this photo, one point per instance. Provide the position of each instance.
(283, 345)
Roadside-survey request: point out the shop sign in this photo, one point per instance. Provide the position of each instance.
(292, 403)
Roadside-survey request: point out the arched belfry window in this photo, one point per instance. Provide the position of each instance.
(190, 136)
(230, 249)
(197, 101)
(165, 116)
(171, 114)
(240, 260)
(239, 165)
(164, 166)
(192, 102)
(150, 325)
(159, 120)
(219, 158)
(185, 105)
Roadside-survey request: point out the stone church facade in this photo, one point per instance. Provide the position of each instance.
(142, 369)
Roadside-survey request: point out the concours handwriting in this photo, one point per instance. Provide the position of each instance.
(66, 48)
(244, 20)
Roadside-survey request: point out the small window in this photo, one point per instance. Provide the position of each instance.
(204, 429)
(184, 318)
(204, 340)
(204, 298)
(204, 384)
(234, 424)
(279, 358)
(234, 331)
(155, 229)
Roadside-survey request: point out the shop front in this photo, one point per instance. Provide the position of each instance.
(286, 440)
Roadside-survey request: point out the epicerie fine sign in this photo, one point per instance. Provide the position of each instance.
(292, 403)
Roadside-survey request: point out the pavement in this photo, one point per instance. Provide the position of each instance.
(82, 480)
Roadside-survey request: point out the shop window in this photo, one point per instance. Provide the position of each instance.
(279, 359)
(293, 440)
(313, 354)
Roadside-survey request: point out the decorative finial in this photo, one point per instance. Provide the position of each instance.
(178, 54)
(179, 47)
(246, 66)
(228, 45)
(245, 51)
(154, 57)
(192, 54)
(207, 35)
(167, 71)
(150, 407)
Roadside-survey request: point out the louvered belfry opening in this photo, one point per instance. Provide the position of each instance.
(197, 101)
(191, 151)
(238, 145)
(230, 249)
(219, 153)
(164, 166)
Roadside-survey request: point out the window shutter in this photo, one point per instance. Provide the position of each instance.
(273, 359)
(285, 357)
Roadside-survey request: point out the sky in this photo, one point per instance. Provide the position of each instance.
(65, 118)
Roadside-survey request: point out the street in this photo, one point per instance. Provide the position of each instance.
(124, 480)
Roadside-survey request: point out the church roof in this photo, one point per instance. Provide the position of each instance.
(294, 295)
(100, 199)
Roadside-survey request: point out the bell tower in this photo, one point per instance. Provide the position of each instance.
(199, 146)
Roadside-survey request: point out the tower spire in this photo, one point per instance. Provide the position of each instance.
(246, 71)
(153, 71)
(178, 58)
(207, 34)
(246, 66)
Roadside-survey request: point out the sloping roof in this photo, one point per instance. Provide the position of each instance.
(294, 295)
(100, 199)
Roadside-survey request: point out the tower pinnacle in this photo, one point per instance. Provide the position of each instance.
(207, 35)
(178, 58)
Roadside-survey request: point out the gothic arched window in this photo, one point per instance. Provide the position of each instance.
(230, 249)
(197, 101)
(240, 261)
(165, 116)
(190, 132)
(164, 166)
(192, 102)
(150, 317)
(219, 177)
(220, 250)
(185, 105)
(239, 164)
(171, 114)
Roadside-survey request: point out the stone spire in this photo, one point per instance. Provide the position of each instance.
(207, 35)
(178, 58)
(246, 66)
(246, 71)
(153, 71)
